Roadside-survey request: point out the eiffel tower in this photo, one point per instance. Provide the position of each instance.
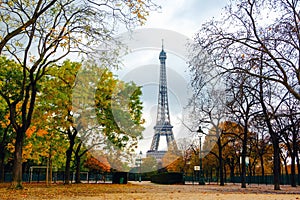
(163, 125)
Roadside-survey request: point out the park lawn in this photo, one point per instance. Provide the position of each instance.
(146, 191)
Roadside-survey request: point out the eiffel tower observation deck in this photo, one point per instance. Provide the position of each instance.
(163, 125)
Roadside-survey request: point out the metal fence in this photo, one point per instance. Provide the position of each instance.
(267, 179)
(193, 178)
(40, 176)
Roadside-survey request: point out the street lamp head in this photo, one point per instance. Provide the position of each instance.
(200, 130)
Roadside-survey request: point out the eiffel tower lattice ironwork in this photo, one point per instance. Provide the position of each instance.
(163, 125)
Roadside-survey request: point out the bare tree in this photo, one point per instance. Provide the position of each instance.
(242, 107)
(250, 40)
(287, 120)
(250, 29)
(208, 109)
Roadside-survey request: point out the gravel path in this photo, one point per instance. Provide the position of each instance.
(146, 190)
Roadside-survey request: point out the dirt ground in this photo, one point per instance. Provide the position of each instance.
(146, 190)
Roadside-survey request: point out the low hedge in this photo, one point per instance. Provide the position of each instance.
(120, 178)
(168, 178)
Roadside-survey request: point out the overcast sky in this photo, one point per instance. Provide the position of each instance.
(183, 17)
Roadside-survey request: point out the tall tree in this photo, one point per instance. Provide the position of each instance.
(11, 80)
(208, 104)
(242, 106)
(286, 120)
(38, 33)
(272, 99)
(117, 123)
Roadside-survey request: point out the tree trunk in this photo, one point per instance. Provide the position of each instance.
(77, 173)
(221, 174)
(71, 136)
(17, 164)
(243, 174)
(68, 164)
(231, 169)
(225, 172)
(50, 168)
(293, 155)
(244, 153)
(2, 153)
(285, 166)
(262, 166)
(293, 171)
(249, 169)
(298, 166)
(274, 137)
(276, 155)
(2, 156)
(77, 158)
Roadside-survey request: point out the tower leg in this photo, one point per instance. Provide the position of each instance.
(155, 142)
(171, 142)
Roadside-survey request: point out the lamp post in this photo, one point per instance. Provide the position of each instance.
(201, 178)
(247, 160)
(140, 166)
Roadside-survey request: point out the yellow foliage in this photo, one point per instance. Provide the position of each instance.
(44, 153)
(10, 146)
(26, 151)
(41, 132)
(5, 122)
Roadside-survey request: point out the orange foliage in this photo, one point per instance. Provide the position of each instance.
(172, 162)
(41, 132)
(289, 168)
(30, 131)
(100, 164)
(33, 129)
(231, 127)
(176, 165)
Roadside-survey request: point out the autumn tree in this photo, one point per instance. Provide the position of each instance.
(285, 122)
(149, 164)
(56, 104)
(233, 139)
(172, 162)
(38, 33)
(188, 148)
(11, 79)
(242, 107)
(291, 135)
(48, 144)
(97, 164)
(271, 106)
(262, 141)
(228, 143)
(208, 106)
(115, 124)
